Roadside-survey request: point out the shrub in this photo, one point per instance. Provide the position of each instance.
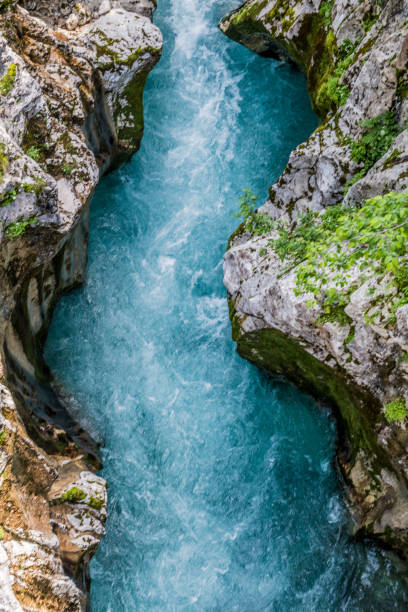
(256, 223)
(324, 247)
(73, 495)
(95, 502)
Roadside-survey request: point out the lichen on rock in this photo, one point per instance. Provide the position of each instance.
(355, 59)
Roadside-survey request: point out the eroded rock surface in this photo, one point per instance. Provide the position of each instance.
(355, 58)
(71, 84)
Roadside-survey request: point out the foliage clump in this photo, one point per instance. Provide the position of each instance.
(396, 410)
(95, 502)
(19, 227)
(256, 223)
(8, 80)
(73, 495)
(379, 134)
(34, 153)
(3, 438)
(325, 11)
(325, 247)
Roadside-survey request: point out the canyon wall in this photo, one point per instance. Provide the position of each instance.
(71, 109)
(337, 328)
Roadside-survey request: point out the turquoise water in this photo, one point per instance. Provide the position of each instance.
(223, 494)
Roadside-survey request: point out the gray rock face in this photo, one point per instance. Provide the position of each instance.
(71, 84)
(358, 364)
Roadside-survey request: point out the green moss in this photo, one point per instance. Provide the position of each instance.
(281, 354)
(129, 113)
(392, 159)
(4, 161)
(73, 495)
(395, 411)
(19, 227)
(8, 80)
(3, 438)
(96, 503)
(1, 533)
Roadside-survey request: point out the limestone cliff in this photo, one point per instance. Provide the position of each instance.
(71, 86)
(349, 342)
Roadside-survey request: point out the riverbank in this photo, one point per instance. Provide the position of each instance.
(71, 109)
(339, 327)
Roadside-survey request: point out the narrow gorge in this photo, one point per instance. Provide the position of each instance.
(228, 488)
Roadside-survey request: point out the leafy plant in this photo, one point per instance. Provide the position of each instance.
(256, 223)
(34, 153)
(19, 227)
(325, 11)
(73, 495)
(324, 247)
(9, 197)
(396, 410)
(379, 134)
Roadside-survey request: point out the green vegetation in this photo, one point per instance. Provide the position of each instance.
(3, 438)
(19, 227)
(324, 247)
(1, 533)
(333, 92)
(4, 161)
(73, 495)
(68, 168)
(5, 5)
(36, 187)
(9, 197)
(396, 410)
(7, 81)
(95, 502)
(34, 153)
(257, 223)
(326, 11)
(379, 134)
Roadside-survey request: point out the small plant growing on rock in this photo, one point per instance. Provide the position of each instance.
(19, 227)
(95, 502)
(73, 495)
(8, 80)
(34, 153)
(256, 223)
(379, 134)
(396, 410)
(3, 438)
(325, 247)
